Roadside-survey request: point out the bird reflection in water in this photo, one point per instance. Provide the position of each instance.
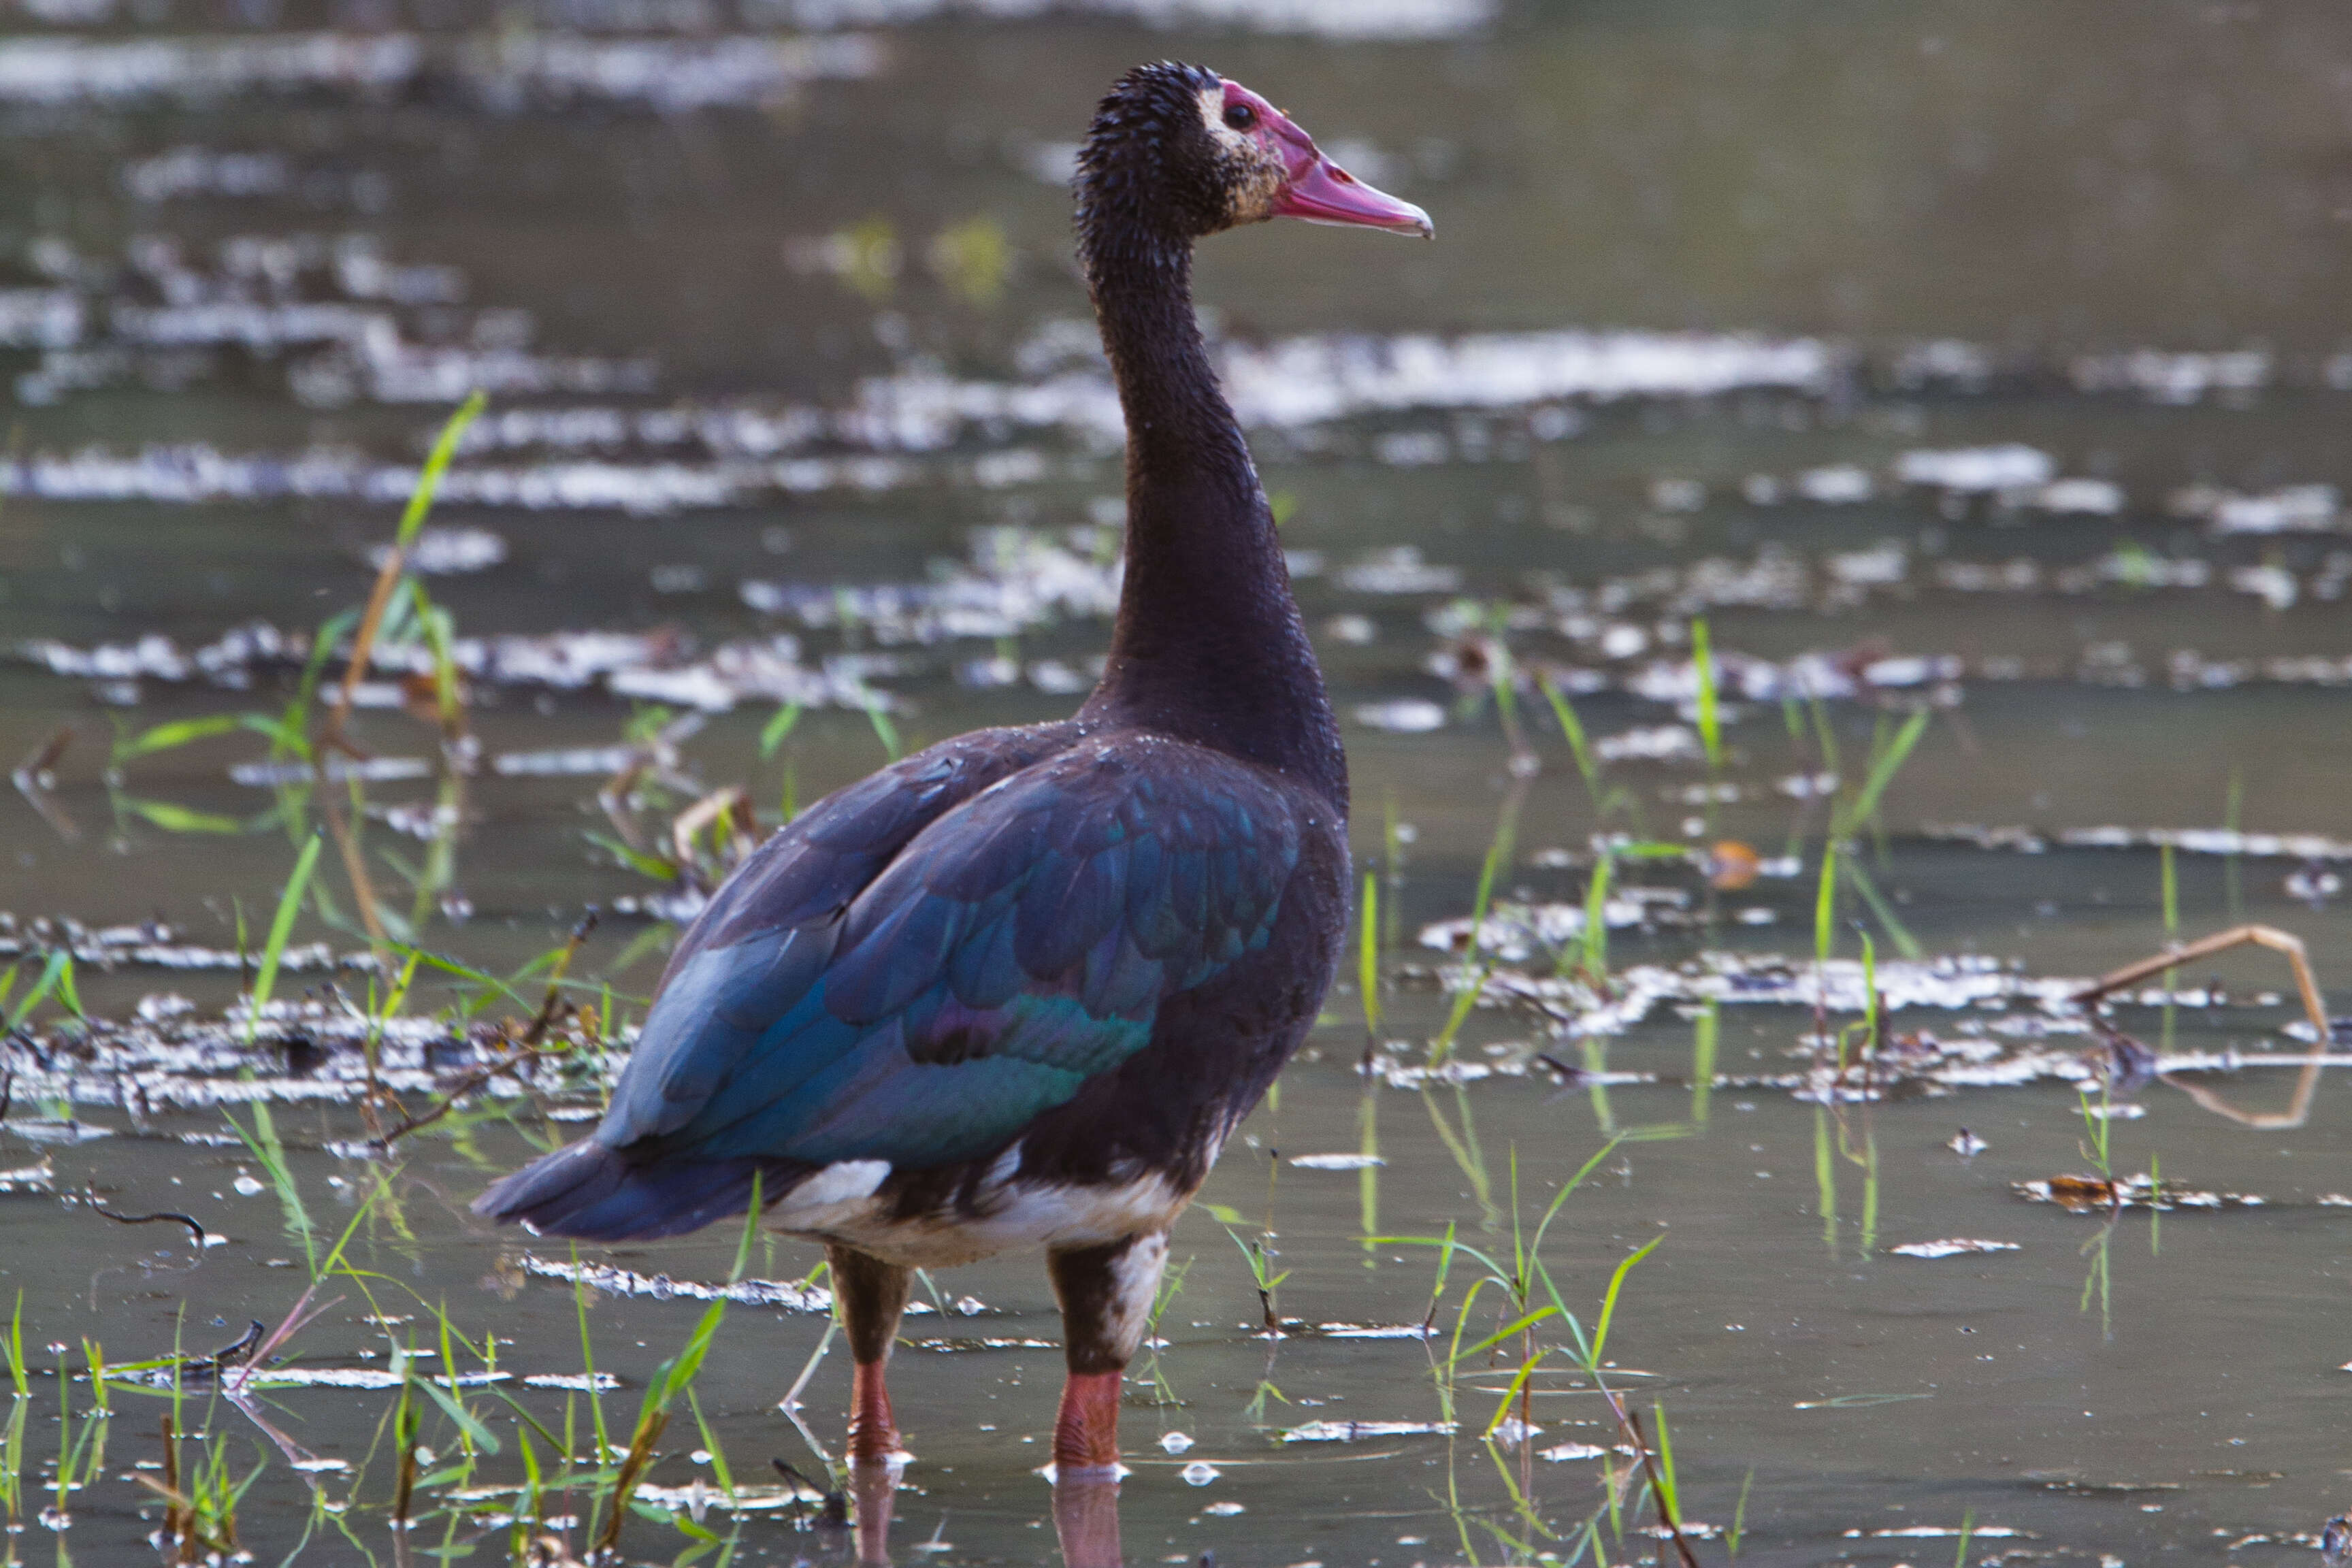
(1086, 1515)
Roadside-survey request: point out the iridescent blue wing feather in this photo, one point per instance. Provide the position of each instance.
(1010, 949)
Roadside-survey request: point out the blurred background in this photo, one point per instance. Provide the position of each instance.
(1999, 336)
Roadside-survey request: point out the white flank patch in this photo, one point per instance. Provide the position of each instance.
(843, 1182)
(1135, 1281)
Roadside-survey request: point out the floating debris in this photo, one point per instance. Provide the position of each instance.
(573, 1381)
(1402, 716)
(358, 1377)
(1564, 1452)
(790, 1296)
(2008, 467)
(2088, 1195)
(1374, 1331)
(187, 1062)
(446, 552)
(699, 1495)
(1944, 1532)
(55, 1129)
(1655, 744)
(1337, 1162)
(1515, 932)
(1356, 1431)
(655, 666)
(40, 1179)
(1967, 1144)
(1309, 380)
(1399, 569)
(1954, 1247)
(2165, 376)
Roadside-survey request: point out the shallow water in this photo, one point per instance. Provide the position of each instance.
(1986, 365)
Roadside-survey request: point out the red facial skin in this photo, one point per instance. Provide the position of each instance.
(1314, 187)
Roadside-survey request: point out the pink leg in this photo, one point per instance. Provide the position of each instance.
(1106, 1295)
(1086, 1471)
(1086, 1434)
(872, 1296)
(873, 1432)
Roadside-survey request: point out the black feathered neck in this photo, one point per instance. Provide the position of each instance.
(1209, 643)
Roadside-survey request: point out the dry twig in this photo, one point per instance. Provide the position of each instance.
(2313, 1007)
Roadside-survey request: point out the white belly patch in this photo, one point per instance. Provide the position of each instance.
(838, 1205)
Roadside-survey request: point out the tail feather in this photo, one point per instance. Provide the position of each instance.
(594, 1193)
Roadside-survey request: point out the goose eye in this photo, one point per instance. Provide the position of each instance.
(1240, 116)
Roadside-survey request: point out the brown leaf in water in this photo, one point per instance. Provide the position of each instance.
(1732, 865)
(2080, 1193)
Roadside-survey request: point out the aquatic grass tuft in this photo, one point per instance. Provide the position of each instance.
(1171, 1284)
(672, 1380)
(57, 978)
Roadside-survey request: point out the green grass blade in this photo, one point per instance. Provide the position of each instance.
(436, 463)
(1702, 1046)
(1609, 1302)
(1517, 1385)
(1500, 1335)
(885, 731)
(1710, 723)
(1826, 906)
(265, 979)
(179, 732)
(1884, 766)
(1882, 911)
(481, 1436)
(778, 728)
(1578, 744)
(1666, 1485)
(1595, 944)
